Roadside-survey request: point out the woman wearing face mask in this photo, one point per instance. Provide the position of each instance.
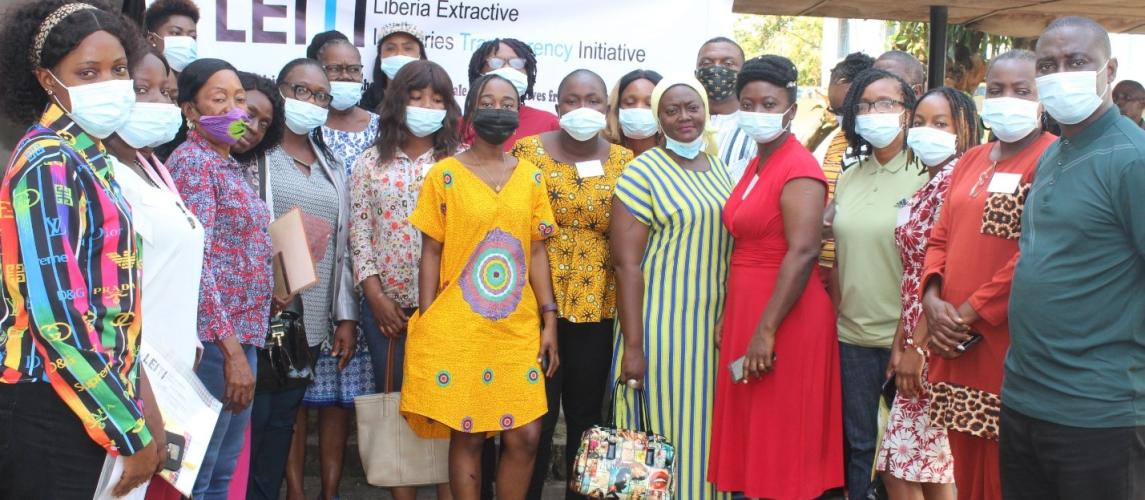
(670, 255)
(630, 120)
(868, 273)
(969, 266)
(775, 215)
(265, 123)
(915, 456)
(303, 173)
(234, 298)
(350, 129)
(398, 44)
(69, 238)
(478, 211)
(512, 60)
(419, 120)
(171, 27)
(580, 168)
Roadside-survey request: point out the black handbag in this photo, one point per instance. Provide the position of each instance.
(285, 360)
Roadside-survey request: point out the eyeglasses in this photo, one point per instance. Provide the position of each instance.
(881, 106)
(302, 93)
(497, 63)
(340, 69)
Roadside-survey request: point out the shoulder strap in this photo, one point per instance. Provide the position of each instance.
(263, 188)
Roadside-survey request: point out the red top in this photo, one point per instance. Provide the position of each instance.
(978, 267)
(533, 122)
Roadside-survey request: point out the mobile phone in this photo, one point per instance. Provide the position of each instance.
(736, 367)
(889, 391)
(176, 444)
(975, 338)
(545, 363)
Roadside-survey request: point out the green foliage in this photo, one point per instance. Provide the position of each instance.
(797, 38)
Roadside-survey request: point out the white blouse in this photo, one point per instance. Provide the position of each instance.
(172, 265)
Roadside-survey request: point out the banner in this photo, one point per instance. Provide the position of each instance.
(610, 37)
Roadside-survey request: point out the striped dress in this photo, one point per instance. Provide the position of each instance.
(685, 269)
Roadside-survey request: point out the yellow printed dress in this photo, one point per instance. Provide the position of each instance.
(471, 356)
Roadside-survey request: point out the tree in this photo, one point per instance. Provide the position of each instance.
(967, 50)
(796, 38)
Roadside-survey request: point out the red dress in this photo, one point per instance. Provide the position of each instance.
(779, 437)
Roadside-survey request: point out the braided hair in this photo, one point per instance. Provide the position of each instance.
(773, 69)
(963, 116)
(851, 66)
(487, 49)
(858, 145)
(320, 40)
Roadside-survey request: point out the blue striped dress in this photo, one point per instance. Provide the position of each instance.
(685, 269)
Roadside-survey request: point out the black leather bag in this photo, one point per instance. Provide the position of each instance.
(285, 360)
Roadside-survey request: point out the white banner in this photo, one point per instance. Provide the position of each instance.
(610, 37)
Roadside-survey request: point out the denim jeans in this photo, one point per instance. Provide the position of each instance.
(863, 371)
(45, 451)
(227, 440)
(271, 429)
(379, 344)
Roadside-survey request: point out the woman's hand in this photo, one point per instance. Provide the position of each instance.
(908, 374)
(760, 357)
(947, 329)
(137, 469)
(633, 366)
(896, 358)
(239, 387)
(345, 342)
(391, 319)
(549, 349)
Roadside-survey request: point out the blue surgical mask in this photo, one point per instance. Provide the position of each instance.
(422, 122)
(638, 123)
(100, 108)
(151, 124)
(345, 95)
(762, 127)
(583, 123)
(303, 117)
(689, 150)
(391, 65)
(879, 129)
(1010, 118)
(180, 51)
(931, 145)
(1071, 96)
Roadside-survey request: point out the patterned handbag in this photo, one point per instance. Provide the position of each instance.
(624, 463)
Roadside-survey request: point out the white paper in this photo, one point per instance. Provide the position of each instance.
(750, 186)
(426, 168)
(1004, 183)
(903, 216)
(109, 478)
(590, 168)
(188, 410)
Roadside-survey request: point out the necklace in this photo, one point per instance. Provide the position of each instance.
(504, 173)
(986, 174)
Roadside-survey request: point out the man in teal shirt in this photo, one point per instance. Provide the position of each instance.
(1073, 416)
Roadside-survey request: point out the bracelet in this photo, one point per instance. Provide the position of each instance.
(922, 351)
(547, 308)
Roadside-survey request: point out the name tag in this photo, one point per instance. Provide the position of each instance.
(903, 216)
(1004, 183)
(750, 186)
(590, 168)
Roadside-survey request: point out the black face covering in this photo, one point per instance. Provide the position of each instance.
(719, 81)
(495, 126)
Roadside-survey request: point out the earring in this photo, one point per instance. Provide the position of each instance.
(190, 124)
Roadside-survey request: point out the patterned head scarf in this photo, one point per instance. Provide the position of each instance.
(668, 82)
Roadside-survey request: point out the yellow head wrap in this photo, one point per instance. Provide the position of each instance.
(709, 133)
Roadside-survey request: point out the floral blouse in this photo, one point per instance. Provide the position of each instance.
(912, 234)
(583, 282)
(349, 146)
(234, 298)
(382, 241)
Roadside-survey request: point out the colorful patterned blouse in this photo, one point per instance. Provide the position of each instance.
(382, 241)
(583, 283)
(71, 288)
(348, 146)
(234, 299)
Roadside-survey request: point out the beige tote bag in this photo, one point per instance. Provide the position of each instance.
(391, 453)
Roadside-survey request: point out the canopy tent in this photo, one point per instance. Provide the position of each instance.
(1019, 18)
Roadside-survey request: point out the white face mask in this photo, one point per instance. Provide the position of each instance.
(638, 123)
(345, 95)
(391, 65)
(583, 123)
(180, 51)
(100, 108)
(302, 117)
(762, 127)
(151, 124)
(879, 129)
(424, 121)
(519, 80)
(931, 145)
(1010, 118)
(1071, 96)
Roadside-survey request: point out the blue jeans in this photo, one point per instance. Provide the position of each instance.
(227, 441)
(863, 371)
(271, 429)
(379, 344)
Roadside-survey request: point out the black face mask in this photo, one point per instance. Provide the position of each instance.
(495, 126)
(719, 81)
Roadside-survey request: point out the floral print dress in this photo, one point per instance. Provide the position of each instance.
(912, 449)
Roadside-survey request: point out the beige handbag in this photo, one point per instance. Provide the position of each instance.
(391, 453)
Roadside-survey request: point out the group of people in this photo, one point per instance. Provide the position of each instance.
(664, 243)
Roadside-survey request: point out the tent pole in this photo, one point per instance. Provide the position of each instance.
(936, 49)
